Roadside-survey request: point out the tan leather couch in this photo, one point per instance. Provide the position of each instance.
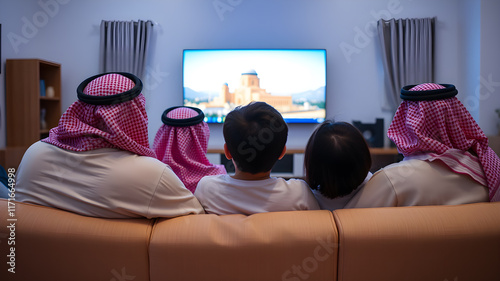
(452, 243)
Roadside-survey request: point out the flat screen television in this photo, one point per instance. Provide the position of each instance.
(291, 80)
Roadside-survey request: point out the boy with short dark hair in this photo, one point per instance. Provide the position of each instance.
(255, 137)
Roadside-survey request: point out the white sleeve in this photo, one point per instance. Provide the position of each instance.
(311, 201)
(172, 198)
(377, 192)
(306, 199)
(206, 198)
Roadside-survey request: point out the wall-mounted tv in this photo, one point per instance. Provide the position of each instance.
(291, 80)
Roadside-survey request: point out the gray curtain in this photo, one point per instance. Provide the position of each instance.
(407, 55)
(124, 46)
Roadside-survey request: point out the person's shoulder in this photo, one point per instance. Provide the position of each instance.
(404, 168)
(41, 145)
(123, 162)
(211, 179)
(209, 182)
(214, 177)
(40, 149)
(147, 160)
(295, 181)
(292, 182)
(393, 166)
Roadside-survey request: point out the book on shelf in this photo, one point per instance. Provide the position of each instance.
(42, 88)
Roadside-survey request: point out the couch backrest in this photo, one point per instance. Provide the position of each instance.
(296, 245)
(441, 243)
(51, 244)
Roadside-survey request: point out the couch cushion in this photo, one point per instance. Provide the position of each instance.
(439, 243)
(295, 245)
(51, 244)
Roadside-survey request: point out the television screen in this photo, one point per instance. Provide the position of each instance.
(291, 80)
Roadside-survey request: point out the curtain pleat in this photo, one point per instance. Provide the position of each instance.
(407, 55)
(124, 46)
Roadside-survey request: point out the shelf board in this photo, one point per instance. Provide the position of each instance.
(373, 151)
(49, 99)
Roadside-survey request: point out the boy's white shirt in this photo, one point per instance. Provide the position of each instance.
(222, 194)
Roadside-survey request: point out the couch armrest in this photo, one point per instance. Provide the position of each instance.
(439, 243)
(51, 244)
(294, 245)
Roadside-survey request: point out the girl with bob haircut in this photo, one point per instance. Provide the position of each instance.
(337, 162)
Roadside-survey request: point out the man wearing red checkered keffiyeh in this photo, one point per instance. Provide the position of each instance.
(97, 161)
(447, 159)
(124, 125)
(182, 142)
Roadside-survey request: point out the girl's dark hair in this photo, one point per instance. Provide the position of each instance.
(337, 159)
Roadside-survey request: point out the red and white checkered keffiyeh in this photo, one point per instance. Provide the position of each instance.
(184, 149)
(85, 127)
(446, 131)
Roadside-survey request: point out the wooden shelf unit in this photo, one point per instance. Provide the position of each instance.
(24, 102)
